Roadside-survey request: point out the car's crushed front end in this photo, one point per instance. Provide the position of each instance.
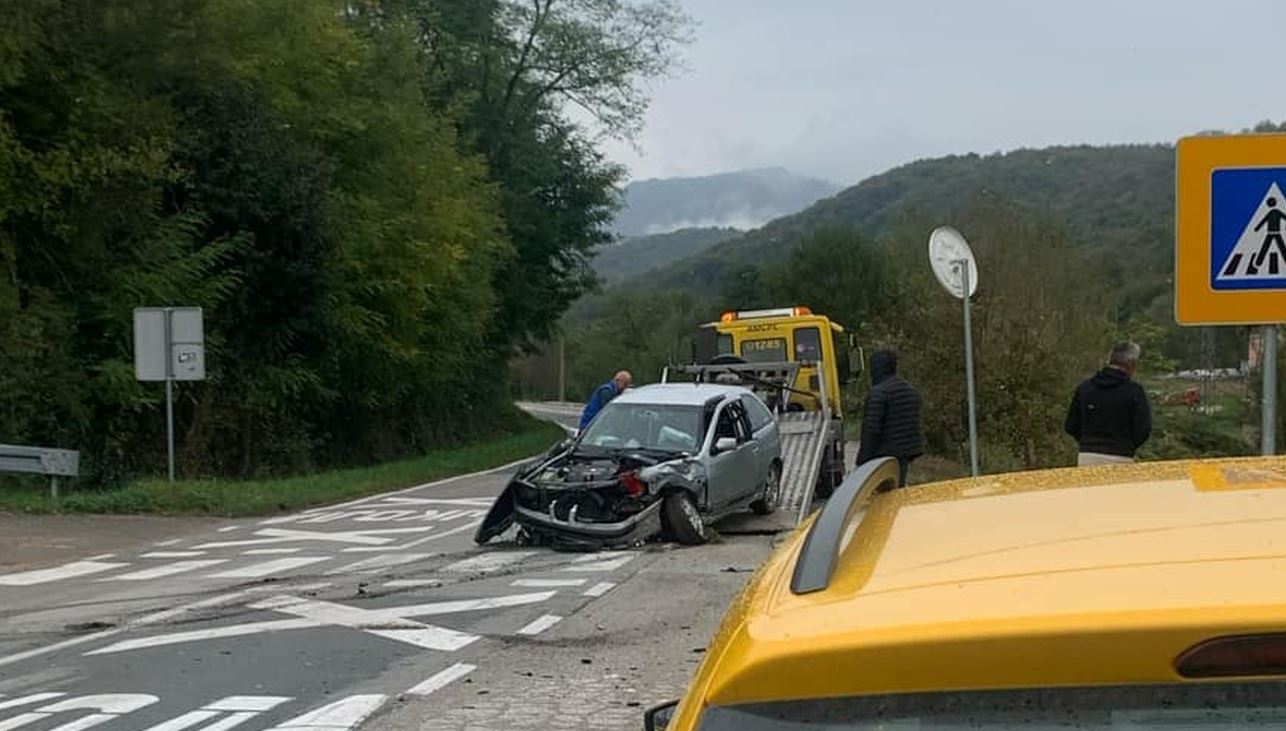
(592, 498)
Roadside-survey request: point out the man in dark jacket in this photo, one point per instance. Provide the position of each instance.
(603, 395)
(891, 416)
(1109, 416)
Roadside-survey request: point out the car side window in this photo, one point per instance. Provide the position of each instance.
(726, 426)
(759, 415)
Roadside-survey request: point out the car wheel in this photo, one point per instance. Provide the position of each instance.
(772, 494)
(684, 519)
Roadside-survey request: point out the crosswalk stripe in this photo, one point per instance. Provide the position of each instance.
(267, 568)
(548, 583)
(338, 716)
(600, 589)
(540, 624)
(601, 565)
(169, 569)
(442, 679)
(66, 571)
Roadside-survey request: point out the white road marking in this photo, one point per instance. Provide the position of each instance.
(374, 537)
(540, 625)
(100, 557)
(487, 562)
(267, 568)
(235, 630)
(229, 528)
(168, 614)
(109, 707)
(430, 637)
(338, 716)
(173, 554)
(169, 569)
(257, 703)
(442, 679)
(373, 621)
(20, 656)
(66, 571)
(390, 622)
(367, 549)
(436, 536)
(29, 699)
(546, 583)
(241, 707)
(473, 502)
(601, 588)
(274, 551)
(376, 564)
(601, 565)
(404, 491)
(408, 583)
(170, 542)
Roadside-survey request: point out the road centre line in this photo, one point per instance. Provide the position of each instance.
(215, 633)
(172, 554)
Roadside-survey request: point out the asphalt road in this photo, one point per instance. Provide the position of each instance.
(367, 614)
(281, 616)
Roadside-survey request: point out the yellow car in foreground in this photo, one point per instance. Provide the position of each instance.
(1147, 596)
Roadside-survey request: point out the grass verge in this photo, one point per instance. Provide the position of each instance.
(235, 498)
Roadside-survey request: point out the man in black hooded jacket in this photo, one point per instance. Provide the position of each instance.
(1109, 416)
(891, 416)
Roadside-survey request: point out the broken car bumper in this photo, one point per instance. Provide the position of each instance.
(641, 526)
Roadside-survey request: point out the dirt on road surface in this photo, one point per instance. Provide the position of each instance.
(603, 667)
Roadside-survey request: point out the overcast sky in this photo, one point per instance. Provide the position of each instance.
(843, 89)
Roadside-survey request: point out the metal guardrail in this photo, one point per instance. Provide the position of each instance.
(826, 537)
(54, 463)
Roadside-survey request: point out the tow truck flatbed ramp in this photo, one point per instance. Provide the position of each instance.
(802, 437)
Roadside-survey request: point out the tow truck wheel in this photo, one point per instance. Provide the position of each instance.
(772, 494)
(684, 519)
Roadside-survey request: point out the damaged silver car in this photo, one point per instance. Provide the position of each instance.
(660, 460)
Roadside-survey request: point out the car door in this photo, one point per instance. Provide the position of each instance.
(766, 435)
(730, 475)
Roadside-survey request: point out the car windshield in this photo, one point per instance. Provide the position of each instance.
(1154, 708)
(670, 428)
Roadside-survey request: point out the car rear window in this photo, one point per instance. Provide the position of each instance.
(1151, 708)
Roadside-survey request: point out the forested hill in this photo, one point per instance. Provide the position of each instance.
(1118, 200)
(637, 254)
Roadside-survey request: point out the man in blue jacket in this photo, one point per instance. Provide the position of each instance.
(603, 394)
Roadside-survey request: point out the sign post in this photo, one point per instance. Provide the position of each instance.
(954, 266)
(1230, 243)
(169, 345)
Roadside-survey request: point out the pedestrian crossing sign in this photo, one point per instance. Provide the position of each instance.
(1230, 253)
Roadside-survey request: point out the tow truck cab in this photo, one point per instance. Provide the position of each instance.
(825, 354)
(788, 335)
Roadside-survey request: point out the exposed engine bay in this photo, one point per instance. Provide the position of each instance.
(592, 497)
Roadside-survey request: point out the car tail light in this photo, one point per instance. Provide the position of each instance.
(633, 485)
(1237, 655)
